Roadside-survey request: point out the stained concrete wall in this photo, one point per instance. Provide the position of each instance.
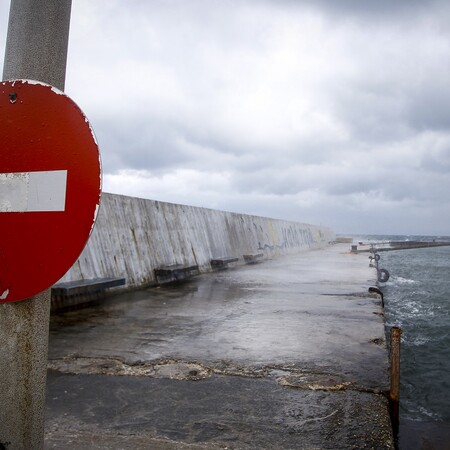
(133, 236)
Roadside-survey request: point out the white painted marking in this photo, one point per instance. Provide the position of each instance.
(33, 191)
(4, 295)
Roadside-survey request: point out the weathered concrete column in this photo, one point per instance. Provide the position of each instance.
(36, 48)
(23, 371)
(36, 45)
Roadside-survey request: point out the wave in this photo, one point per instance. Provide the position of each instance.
(419, 341)
(417, 300)
(400, 280)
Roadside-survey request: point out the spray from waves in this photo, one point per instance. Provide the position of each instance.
(401, 280)
(417, 299)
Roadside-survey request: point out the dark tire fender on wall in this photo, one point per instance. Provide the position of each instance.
(383, 275)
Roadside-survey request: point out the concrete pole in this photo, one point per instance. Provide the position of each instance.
(36, 45)
(36, 48)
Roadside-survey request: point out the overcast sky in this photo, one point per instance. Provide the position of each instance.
(332, 112)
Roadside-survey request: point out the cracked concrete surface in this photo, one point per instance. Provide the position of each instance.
(285, 354)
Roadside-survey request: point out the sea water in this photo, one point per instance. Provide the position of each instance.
(417, 299)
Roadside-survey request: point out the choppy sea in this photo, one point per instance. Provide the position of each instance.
(417, 299)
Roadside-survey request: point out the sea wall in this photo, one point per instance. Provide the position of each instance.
(134, 236)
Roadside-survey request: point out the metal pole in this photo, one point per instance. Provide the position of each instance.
(36, 48)
(36, 45)
(394, 393)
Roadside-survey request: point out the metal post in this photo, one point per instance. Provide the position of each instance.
(394, 393)
(36, 45)
(36, 48)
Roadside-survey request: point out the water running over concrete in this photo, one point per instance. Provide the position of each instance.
(288, 353)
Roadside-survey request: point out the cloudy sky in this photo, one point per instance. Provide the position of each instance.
(332, 112)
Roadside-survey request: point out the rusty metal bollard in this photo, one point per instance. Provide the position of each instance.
(394, 393)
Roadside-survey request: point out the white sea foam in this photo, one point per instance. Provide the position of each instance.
(427, 413)
(420, 340)
(401, 280)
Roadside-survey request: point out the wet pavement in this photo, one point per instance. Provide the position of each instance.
(285, 354)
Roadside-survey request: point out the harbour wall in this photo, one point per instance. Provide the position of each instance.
(133, 237)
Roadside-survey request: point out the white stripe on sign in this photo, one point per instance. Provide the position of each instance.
(33, 191)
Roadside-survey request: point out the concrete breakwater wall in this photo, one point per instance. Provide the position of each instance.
(134, 236)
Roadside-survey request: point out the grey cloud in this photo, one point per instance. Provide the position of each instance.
(332, 111)
(291, 180)
(372, 116)
(437, 161)
(415, 186)
(273, 181)
(380, 9)
(139, 145)
(429, 109)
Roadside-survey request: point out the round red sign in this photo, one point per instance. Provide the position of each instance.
(50, 186)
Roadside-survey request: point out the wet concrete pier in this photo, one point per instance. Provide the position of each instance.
(386, 246)
(285, 354)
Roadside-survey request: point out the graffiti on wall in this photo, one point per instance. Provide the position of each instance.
(292, 238)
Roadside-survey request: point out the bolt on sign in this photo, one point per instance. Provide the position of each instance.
(50, 186)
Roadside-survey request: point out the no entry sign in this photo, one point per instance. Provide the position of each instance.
(50, 185)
